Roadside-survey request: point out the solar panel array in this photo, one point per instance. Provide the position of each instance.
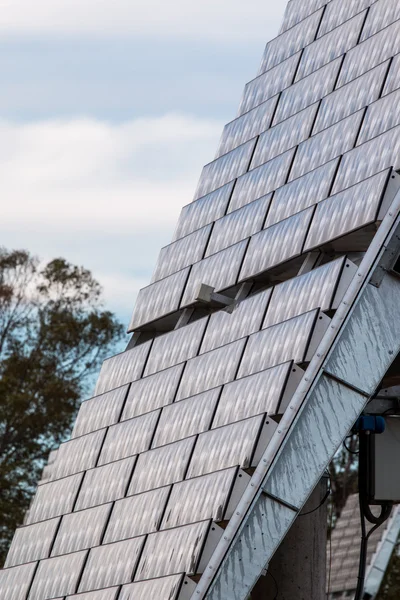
(132, 506)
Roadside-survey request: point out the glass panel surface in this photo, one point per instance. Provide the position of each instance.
(307, 91)
(137, 515)
(290, 42)
(182, 253)
(54, 499)
(301, 193)
(286, 135)
(105, 484)
(238, 225)
(175, 346)
(227, 446)
(276, 244)
(211, 369)
(152, 392)
(109, 594)
(129, 438)
(351, 97)
(219, 271)
(370, 53)
(297, 10)
(15, 582)
(162, 466)
(199, 499)
(225, 168)
(229, 325)
(393, 78)
(57, 577)
(203, 211)
(122, 368)
(111, 564)
(81, 530)
(262, 180)
(268, 84)
(330, 46)
(247, 126)
(186, 417)
(163, 587)
(77, 455)
(339, 11)
(258, 393)
(278, 344)
(158, 299)
(173, 551)
(31, 543)
(327, 144)
(380, 117)
(99, 411)
(380, 15)
(347, 211)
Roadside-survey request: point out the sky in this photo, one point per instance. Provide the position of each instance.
(108, 111)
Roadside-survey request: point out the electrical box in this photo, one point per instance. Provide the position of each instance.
(385, 463)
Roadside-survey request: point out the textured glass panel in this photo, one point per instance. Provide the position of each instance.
(229, 325)
(137, 515)
(339, 11)
(32, 542)
(350, 98)
(259, 182)
(301, 193)
(109, 594)
(238, 225)
(287, 134)
(307, 91)
(105, 484)
(81, 530)
(219, 271)
(290, 42)
(369, 158)
(276, 244)
(259, 393)
(268, 84)
(175, 346)
(152, 392)
(122, 368)
(297, 10)
(370, 53)
(380, 15)
(348, 210)
(129, 438)
(163, 587)
(112, 564)
(327, 144)
(158, 299)
(225, 168)
(211, 369)
(181, 253)
(54, 499)
(203, 211)
(77, 455)
(380, 117)
(247, 126)
(57, 576)
(315, 289)
(161, 466)
(199, 499)
(15, 582)
(173, 551)
(185, 418)
(280, 343)
(330, 46)
(99, 411)
(393, 78)
(227, 446)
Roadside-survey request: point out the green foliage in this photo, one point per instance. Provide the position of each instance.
(54, 334)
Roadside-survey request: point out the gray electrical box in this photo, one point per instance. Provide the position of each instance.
(385, 462)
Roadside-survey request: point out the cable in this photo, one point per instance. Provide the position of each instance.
(347, 448)
(276, 585)
(324, 499)
(330, 551)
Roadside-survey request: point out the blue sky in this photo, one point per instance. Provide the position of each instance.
(108, 111)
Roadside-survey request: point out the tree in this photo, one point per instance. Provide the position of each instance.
(54, 334)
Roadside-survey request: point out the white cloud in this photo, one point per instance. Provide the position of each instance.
(217, 19)
(103, 195)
